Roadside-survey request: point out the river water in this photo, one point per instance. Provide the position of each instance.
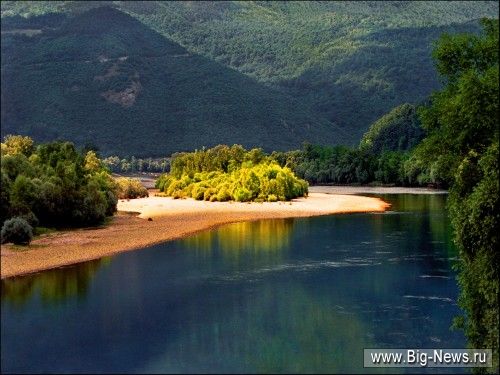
(293, 295)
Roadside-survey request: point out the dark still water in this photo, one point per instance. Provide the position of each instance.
(297, 295)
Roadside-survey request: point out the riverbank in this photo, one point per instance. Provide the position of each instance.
(327, 189)
(170, 219)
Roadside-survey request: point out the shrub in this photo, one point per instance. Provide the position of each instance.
(242, 194)
(198, 192)
(17, 231)
(272, 198)
(130, 188)
(111, 200)
(209, 193)
(30, 218)
(223, 194)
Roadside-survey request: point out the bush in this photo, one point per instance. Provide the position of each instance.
(17, 231)
(209, 193)
(272, 198)
(130, 188)
(242, 195)
(223, 194)
(198, 192)
(30, 218)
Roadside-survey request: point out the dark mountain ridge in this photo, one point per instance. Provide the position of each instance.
(183, 75)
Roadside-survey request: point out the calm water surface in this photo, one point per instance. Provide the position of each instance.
(296, 295)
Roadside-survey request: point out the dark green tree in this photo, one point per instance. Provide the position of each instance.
(462, 149)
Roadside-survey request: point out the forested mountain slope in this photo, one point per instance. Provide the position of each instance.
(105, 78)
(351, 61)
(190, 74)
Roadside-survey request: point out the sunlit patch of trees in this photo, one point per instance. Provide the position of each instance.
(226, 173)
(130, 188)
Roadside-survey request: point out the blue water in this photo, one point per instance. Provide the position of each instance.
(295, 295)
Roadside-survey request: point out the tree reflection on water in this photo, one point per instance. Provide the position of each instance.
(53, 286)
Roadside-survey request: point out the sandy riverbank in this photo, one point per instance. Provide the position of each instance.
(171, 219)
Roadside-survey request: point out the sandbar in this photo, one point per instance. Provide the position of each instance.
(147, 221)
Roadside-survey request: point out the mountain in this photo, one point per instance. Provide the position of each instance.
(351, 62)
(104, 78)
(258, 73)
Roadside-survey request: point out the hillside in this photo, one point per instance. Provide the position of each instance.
(351, 61)
(398, 130)
(274, 74)
(102, 77)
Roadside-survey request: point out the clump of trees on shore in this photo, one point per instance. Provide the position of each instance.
(463, 143)
(384, 156)
(53, 185)
(226, 173)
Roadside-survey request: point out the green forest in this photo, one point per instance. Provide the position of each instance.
(52, 185)
(103, 77)
(461, 122)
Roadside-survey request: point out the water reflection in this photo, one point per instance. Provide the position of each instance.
(52, 286)
(274, 333)
(434, 203)
(428, 213)
(241, 239)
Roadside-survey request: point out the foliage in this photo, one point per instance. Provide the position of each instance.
(130, 188)
(463, 135)
(262, 74)
(17, 230)
(17, 144)
(54, 184)
(230, 173)
(350, 61)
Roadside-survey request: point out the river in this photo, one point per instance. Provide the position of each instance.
(292, 295)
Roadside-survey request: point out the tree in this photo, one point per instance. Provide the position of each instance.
(462, 147)
(17, 144)
(398, 130)
(56, 186)
(92, 163)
